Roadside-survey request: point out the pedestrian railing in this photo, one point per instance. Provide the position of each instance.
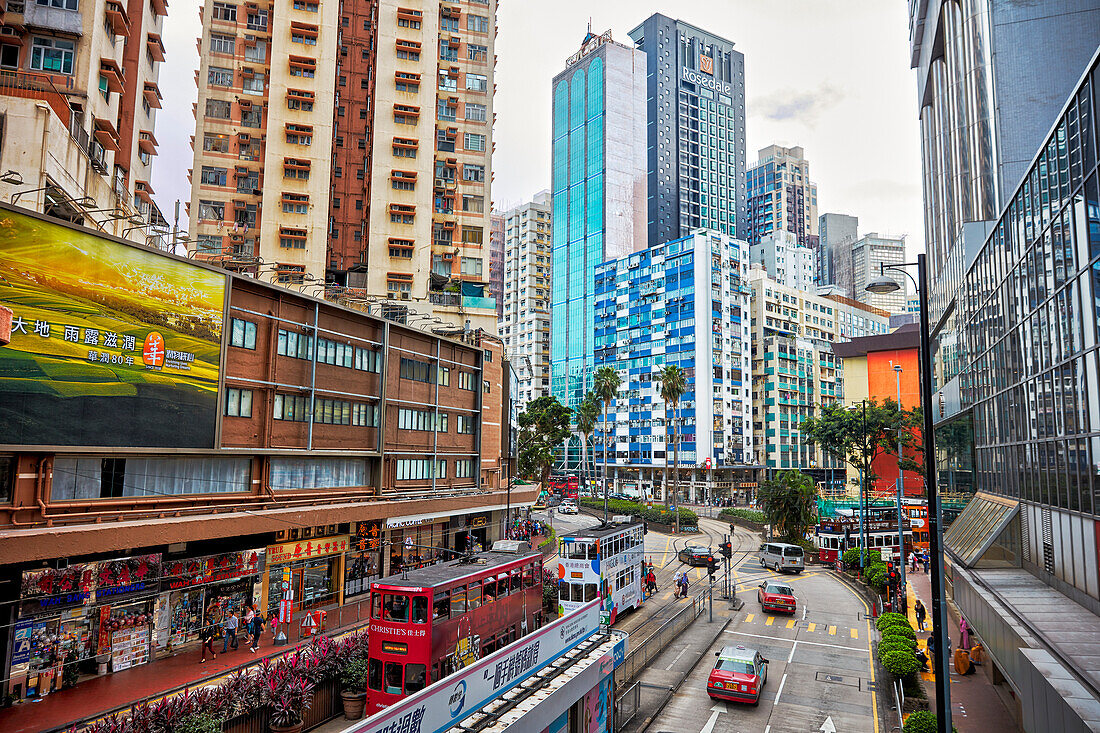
(640, 656)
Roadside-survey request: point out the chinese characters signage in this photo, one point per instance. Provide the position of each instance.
(111, 345)
(211, 569)
(49, 589)
(306, 549)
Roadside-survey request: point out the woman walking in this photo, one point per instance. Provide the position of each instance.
(920, 612)
(207, 636)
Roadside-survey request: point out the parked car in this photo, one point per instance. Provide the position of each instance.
(567, 507)
(775, 596)
(739, 675)
(695, 556)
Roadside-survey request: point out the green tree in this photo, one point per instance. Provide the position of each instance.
(542, 428)
(607, 387)
(587, 413)
(860, 433)
(788, 501)
(673, 385)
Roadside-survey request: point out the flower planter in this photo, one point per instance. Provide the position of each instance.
(354, 704)
(296, 728)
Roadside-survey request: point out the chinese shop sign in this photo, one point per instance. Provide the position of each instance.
(211, 569)
(111, 345)
(307, 549)
(50, 589)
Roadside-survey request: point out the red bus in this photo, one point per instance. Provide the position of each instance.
(564, 486)
(430, 622)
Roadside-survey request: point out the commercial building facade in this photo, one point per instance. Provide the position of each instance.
(785, 260)
(781, 196)
(525, 326)
(79, 88)
(794, 369)
(836, 235)
(682, 303)
(274, 429)
(1021, 433)
(312, 162)
(868, 253)
(598, 194)
(695, 134)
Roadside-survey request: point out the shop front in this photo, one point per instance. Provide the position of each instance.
(417, 541)
(308, 574)
(82, 620)
(363, 562)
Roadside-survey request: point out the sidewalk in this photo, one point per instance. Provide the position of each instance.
(102, 694)
(976, 703)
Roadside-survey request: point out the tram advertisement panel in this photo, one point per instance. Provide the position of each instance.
(443, 705)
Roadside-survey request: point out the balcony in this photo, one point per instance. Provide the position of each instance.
(117, 18)
(147, 143)
(31, 85)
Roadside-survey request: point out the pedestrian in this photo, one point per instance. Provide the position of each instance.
(246, 621)
(257, 629)
(651, 582)
(274, 624)
(924, 560)
(684, 585)
(920, 612)
(676, 582)
(732, 528)
(964, 634)
(231, 625)
(207, 635)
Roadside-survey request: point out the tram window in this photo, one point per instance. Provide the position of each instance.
(589, 591)
(419, 610)
(414, 678)
(516, 580)
(441, 608)
(473, 596)
(576, 592)
(581, 550)
(435, 672)
(591, 551)
(563, 590)
(395, 608)
(374, 674)
(392, 678)
(502, 584)
(528, 577)
(376, 605)
(490, 594)
(458, 600)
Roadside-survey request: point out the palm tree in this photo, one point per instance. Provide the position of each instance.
(673, 385)
(588, 411)
(607, 386)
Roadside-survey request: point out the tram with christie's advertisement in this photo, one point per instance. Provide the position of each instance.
(429, 622)
(605, 562)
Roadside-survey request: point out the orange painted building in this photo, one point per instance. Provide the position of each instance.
(868, 368)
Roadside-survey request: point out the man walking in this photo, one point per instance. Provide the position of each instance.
(920, 612)
(231, 625)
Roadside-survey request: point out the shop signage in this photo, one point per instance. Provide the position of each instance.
(837, 525)
(708, 82)
(589, 46)
(400, 523)
(306, 549)
(480, 521)
(211, 569)
(117, 332)
(104, 642)
(50, 590)
(21, 650)
(368, 535)
(444, 705)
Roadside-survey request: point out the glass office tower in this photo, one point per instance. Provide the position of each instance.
(598, 194)
(696, 130)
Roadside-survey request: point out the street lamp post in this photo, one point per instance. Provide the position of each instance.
(901, 485)
(883, 285)
(862, 499)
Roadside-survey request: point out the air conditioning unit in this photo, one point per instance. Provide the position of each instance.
(404, 296)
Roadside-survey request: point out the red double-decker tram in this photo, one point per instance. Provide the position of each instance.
(427, 623)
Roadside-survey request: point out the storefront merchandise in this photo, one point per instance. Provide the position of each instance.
(310, 573)
(129, 648)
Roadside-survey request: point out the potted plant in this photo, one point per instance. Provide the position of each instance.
(288, 694)
(353, 684)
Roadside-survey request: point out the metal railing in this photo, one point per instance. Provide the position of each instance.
(30, 85)
(641, 655)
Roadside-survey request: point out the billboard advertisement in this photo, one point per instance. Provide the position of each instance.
(111, 345)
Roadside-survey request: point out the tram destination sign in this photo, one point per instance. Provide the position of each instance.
(448, 702)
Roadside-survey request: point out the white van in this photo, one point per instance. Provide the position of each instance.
(782, 557)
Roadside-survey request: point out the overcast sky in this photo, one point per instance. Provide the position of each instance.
(830, 75)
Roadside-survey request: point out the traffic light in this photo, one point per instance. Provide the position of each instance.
(891, 573)
(712, 566)
(727, 549)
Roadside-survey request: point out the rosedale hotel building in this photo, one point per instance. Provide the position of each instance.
(349, 144)
(173, 434)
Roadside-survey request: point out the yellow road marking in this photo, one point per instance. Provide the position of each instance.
(812, 626)
(790, 623)
(748, 619)
(832, 631)
(855, 634)
(770, 621)
(698, 573)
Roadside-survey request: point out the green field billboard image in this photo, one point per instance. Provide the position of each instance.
(112, 345)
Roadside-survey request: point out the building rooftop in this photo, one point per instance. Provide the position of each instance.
(445, 572)
(905, 337)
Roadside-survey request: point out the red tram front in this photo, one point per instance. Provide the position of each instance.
(429, 622)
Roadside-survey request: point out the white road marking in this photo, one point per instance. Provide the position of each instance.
(814, 643)
(676, 659)
(780, 691)
(791, 655)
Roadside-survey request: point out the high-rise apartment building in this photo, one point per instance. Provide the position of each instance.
(78, 82)
(525, 325)
(794, 370)
(781, 197)
(868, 253)
(350, 146)
(598, 194)
(652, 310)
(696, 129)
(496, 262)
(785, 260)
(1018, 412)
(836, 235)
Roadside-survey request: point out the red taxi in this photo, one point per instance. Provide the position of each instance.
(738, 675)
(775, 596)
